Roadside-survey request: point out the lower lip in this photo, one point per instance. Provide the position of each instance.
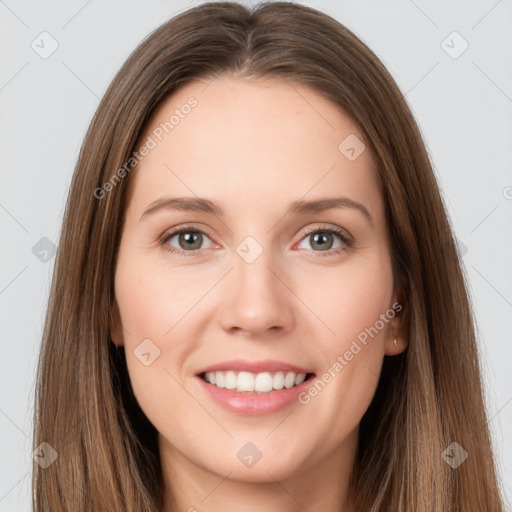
(254, 404)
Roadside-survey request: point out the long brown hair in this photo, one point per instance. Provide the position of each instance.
(428, 397)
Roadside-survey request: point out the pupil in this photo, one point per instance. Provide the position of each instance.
(321, 235)
(191, 240)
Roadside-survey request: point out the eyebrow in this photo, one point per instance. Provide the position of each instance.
(297, 207)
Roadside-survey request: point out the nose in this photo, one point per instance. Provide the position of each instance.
(258, 299)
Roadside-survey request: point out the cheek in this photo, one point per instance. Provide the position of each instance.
(352, 302)
(152, 301)
(153, 298)
(160, 303)
(349, 299)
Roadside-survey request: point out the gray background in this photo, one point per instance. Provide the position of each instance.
(463, 106)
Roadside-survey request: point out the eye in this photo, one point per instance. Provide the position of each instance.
(323, 240)
(189, 241)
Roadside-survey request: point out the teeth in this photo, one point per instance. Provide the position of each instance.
(278, 380)
(259, 382)
(230, 381)
(245, 381)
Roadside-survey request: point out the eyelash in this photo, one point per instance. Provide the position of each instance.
(323, 229)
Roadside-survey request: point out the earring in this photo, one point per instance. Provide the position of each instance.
(394, 342)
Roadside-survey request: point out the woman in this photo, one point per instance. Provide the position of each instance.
(196, 354)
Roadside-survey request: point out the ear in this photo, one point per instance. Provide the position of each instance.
(398, 327)
(116, 330)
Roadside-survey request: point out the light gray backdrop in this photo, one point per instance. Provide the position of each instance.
(452, 60)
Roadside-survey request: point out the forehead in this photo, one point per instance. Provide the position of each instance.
(251, 145)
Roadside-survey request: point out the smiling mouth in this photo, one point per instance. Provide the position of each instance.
(255, 383)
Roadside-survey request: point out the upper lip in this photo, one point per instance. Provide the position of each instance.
(268, 365)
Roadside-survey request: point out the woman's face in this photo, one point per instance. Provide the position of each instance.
(258, 290)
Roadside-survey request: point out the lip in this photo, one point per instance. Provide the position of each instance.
(254, 404)
(268, 365)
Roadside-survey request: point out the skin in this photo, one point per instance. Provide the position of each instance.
(253, 147)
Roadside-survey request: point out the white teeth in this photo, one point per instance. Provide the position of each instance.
(245, 382)
(300, 378)
(278, 381)
(289, 380)
(230, 380)
(263, 382)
